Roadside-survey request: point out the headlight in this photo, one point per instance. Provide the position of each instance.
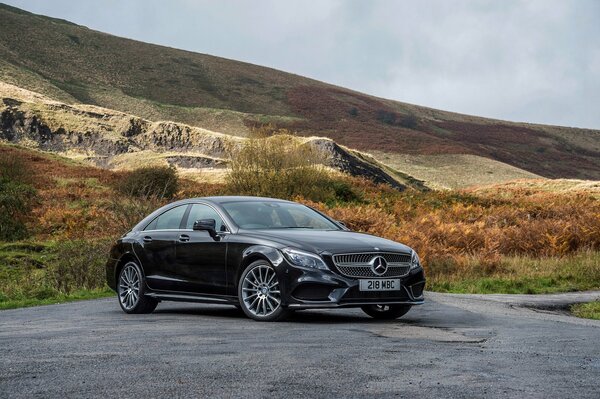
(304, 259)
(414, 261)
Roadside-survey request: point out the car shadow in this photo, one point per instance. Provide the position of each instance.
(337, 316)
(432, 314)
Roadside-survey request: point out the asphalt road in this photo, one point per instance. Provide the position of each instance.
(453, 346)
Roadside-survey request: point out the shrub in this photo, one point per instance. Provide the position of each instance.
(153, 181)
(408, 121)
(386, 117)
(16, 198)
(79, 265)
(344, 192)
(124, 213)
(280, 166)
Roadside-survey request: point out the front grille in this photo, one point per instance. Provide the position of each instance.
(357, 265)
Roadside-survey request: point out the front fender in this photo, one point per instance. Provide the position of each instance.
(254, 252)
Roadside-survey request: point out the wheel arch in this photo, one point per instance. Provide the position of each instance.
(258, 252)
(128, 256)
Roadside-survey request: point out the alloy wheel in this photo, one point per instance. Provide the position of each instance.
(260, 291)
(129, 286)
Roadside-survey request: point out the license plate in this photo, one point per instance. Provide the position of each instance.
(379, 285)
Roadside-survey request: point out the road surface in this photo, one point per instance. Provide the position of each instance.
(454, 346)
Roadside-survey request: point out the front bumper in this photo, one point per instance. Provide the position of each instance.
(310, 289)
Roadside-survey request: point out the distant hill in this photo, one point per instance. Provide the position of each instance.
(113, 139)
(74, 64)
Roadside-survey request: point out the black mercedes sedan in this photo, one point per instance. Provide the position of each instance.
(266, 256)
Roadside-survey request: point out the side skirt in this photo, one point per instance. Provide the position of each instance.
(182, 297)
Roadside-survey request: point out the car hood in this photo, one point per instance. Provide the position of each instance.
(331, 241)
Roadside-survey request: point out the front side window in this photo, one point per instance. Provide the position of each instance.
(276, 215)
(171, 219)
(200, 211)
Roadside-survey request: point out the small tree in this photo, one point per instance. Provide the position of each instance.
(17, 197)
(150, 182)
(281, 166)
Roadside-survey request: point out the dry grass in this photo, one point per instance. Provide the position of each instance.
(453, 171)
(505, 236)
(508, 240)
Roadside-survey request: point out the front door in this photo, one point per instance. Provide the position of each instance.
(200, 260)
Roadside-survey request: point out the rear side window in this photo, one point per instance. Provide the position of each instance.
(200, 211)
(171, 219)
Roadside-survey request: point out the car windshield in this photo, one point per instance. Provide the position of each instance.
(276, 215)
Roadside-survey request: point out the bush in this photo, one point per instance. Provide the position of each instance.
(386, 117)
(44, 270)
(124, 213)
(344, 192)
(154, 181)
(79, 265)
(16, 198)
(281, 166)
(408, 121)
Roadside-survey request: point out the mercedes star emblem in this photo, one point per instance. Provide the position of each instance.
(379, 265)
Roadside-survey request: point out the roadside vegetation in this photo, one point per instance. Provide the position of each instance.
(590, 310)
(513, 239)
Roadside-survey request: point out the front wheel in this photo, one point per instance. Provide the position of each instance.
(130, 290)
(259, 292)
(386, 312)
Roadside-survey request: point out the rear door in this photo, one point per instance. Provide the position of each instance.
(157, 243)
(201, 261)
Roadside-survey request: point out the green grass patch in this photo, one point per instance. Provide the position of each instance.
(55, 298)
(38, 273)
(490, 285)
(590, 310)
(518, 275)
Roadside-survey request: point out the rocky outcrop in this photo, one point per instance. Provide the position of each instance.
(102, 135)
(195, 162)
(343, 160)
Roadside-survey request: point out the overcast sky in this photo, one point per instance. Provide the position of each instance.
(533, 61)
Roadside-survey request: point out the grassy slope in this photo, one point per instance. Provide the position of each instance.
(75, 64)
(452, 171)
(589, 310)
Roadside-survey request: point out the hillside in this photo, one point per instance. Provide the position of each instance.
(454, 171)
(116, 140)
(74, 64)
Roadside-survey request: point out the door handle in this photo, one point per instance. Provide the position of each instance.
(184, 238)
(147, 239)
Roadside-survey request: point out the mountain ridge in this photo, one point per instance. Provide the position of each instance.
(74, 64)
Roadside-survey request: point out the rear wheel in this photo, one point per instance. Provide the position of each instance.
(259, 292)
(386, 312)
(130, 290)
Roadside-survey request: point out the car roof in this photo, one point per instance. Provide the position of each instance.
(236, 198)
(217, 200)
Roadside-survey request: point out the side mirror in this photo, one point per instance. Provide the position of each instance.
(208, 225)
(343, 224)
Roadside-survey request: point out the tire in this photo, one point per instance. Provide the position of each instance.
(386, 312)
(131, 287)
(259, 293)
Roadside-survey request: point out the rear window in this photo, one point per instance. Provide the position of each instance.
(170, 220)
